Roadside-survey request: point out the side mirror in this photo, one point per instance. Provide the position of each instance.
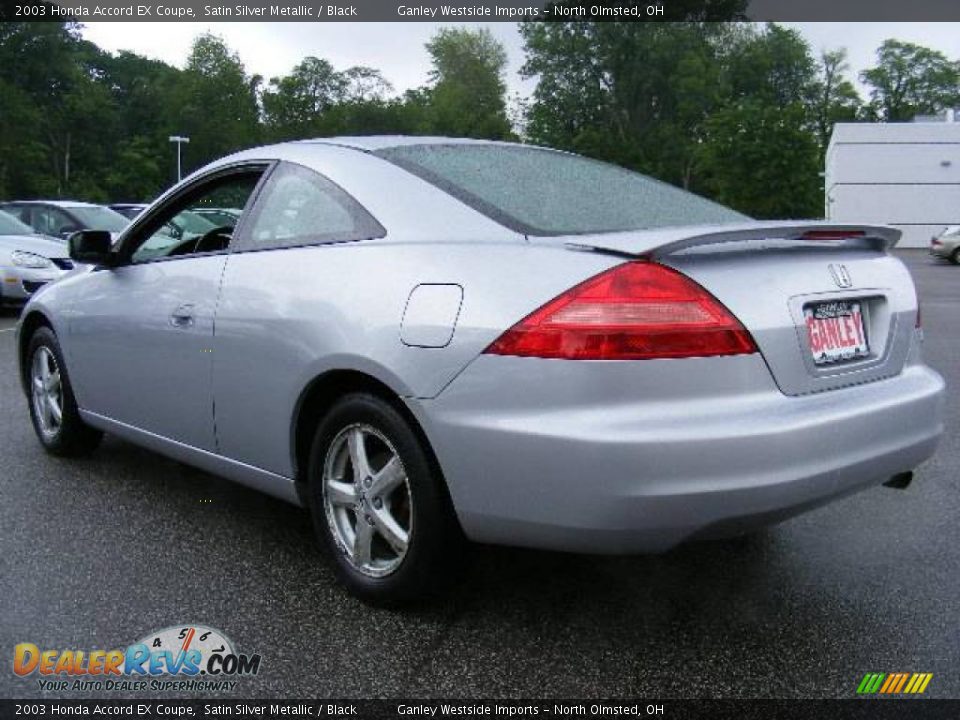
(91, 247)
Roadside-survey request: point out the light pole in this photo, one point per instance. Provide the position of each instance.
(179, 140)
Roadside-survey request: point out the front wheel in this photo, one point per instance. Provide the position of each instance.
(378, 504)
(53, 408)
(955, 256)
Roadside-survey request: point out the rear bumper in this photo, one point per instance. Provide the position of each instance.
(637, 457)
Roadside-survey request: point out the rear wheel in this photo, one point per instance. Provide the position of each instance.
(378, 505)
(53, 408)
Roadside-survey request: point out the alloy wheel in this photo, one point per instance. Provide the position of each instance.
(47, 392)
(367, 500)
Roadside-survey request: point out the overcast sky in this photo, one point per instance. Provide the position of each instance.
(396, 49)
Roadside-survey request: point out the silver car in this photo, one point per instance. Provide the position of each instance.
(427, 339)
(946, 245)
(28, 261)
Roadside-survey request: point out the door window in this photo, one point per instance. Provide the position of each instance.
(53, 221)
(184, 227)
(301, 207)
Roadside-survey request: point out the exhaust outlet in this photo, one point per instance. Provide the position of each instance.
(900, 481)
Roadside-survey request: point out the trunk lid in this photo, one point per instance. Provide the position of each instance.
(773, 278)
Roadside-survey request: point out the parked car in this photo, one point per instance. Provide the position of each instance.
(946, 245)
(419, 339)
(61, 218)
(128, 210)
(28, 261)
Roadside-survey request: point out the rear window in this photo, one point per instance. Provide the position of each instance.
(545, 192)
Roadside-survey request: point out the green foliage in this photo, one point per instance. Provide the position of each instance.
(834, 97)
(910, 80)
(467, 95)
(760, 157)
(739, 112)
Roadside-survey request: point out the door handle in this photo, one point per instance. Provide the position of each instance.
(183, 316)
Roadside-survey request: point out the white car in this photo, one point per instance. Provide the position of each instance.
(28, 261)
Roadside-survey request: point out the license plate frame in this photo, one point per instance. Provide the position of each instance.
(836, 332)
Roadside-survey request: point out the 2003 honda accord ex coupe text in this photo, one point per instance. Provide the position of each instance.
(424, 339)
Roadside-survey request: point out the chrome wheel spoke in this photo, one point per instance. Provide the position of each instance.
(54, 407)
(341, 493)
(358, 455)
(362, 542)
(390, 530)
(44, 407)
(389, 478)
(52, 383)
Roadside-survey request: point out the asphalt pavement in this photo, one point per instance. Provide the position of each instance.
(100, 552)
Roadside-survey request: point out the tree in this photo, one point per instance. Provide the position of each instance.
(758, 159)
(834, 98)
(315, 99)
(467, 95)
(633, 93)
(215, 102)
(910, 80)
(54, 70)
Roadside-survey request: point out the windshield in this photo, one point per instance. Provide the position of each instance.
(9, 225)
(99, 218)
(544, 192)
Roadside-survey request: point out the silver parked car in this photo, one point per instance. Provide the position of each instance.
(62, 218)
(28, 261)
(422, 339)
(946, 245)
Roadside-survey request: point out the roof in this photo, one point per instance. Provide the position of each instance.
(895, 133)
(379, 142)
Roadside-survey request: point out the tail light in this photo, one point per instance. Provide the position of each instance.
(634, 311)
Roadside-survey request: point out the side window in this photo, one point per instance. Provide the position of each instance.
(300, 207)
(52, 221)
(187, 226)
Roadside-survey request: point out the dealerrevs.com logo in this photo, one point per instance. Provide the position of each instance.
(180, 658)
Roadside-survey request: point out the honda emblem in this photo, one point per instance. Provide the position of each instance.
(841, 276)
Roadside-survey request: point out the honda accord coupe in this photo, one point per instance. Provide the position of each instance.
(426, 339)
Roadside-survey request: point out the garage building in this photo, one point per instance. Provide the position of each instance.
(901, 174)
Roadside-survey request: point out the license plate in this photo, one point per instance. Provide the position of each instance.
(836, 333)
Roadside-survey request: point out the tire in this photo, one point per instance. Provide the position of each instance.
(69, 436)
(401, 496)
(955, 256)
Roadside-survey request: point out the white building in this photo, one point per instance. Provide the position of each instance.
(901, 174)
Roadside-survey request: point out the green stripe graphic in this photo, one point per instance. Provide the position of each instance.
(871, 683)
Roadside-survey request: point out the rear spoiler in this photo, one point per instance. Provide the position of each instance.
(664, 241)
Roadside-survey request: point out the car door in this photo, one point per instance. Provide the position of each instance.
(277, 293)
(141, 332)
